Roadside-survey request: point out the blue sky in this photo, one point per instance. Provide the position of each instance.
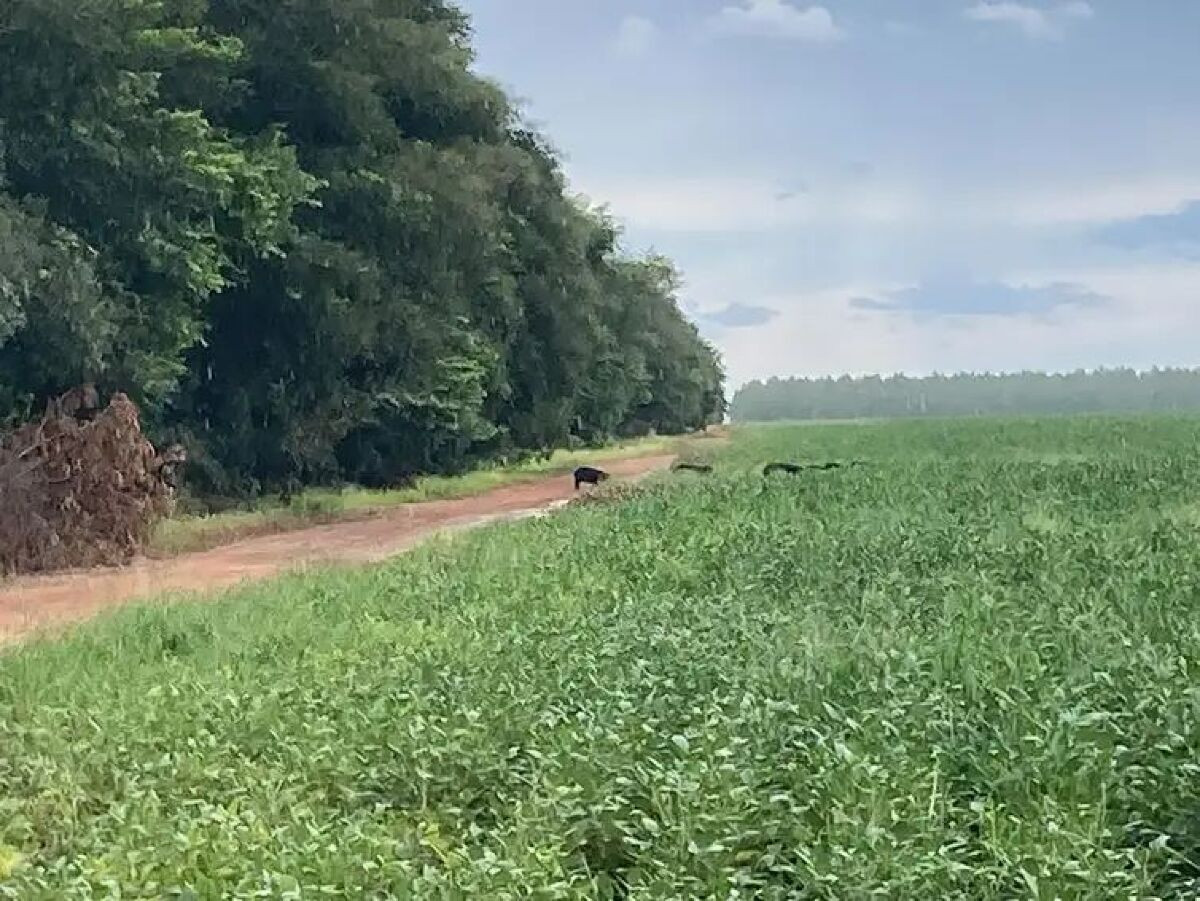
(880, 186)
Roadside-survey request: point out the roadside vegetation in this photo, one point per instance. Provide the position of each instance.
(187, 532)
(313, 245)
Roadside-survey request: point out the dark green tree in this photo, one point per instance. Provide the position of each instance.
(169, 205)
(970, 394)
(315, 243)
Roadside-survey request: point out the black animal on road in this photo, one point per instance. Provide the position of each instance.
(692, 467)
(588, 475)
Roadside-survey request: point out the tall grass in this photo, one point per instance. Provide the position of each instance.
(968, 669)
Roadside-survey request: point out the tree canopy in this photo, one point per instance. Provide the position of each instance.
(969, 394)
(313, 244)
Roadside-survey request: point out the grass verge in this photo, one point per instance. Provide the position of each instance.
(189, 533)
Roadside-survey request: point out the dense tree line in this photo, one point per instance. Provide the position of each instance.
(967, 394)
(314, 245)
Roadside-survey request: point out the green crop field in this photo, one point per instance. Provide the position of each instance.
(968, 669)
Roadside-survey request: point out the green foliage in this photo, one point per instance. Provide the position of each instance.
(965, 670)
(169, 202)
(1099, 391)
(318, 245)
(56, 323)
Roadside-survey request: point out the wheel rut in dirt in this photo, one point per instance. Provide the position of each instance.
(30, 605)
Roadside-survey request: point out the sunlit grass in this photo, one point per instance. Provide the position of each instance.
(966, 670)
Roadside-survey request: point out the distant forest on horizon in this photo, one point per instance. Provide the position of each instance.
(1116, 390)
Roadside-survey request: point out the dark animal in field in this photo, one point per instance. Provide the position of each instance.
(588, 475)
(692, 467)
(790, 468)
(797, 468)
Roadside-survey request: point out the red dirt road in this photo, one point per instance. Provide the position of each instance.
(31, 604)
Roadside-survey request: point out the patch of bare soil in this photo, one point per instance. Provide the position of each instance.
(32, 604)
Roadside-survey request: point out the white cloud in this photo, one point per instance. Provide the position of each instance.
(778, 19)
(1097, 203)
(1035, 22)
(636, 36)
(747, 204)
(1151, 321)
(1080, 9)
(730, 204)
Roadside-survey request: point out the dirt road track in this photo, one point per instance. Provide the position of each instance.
(33, 604)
